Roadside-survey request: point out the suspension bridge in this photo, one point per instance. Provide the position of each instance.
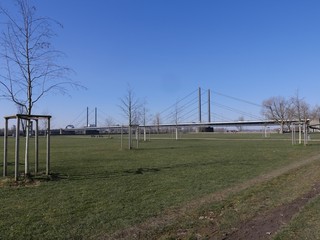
(195, 109)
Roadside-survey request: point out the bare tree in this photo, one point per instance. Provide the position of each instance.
(176, 116)
(30, 64)
(110, 121)
(145, 113)
(300, 109)
(157, 122)
(131, 108)
(278, 109)
(315, 113)
(146, 118)
(240, 127)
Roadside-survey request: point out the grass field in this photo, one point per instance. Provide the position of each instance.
(102, 191)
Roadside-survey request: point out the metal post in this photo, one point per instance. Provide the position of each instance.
(305, 136)
(199, 105)
(299, 133)
(36, 137)
(292, 130)
(293, 133)
(137, 136)
(48, 149)
(5, 149)
(265, 131)
(87, 117)
(95, 117)
(16, 166)
(121, 137)
(129, 136)
(209, 106)
(144, 125)
(176, 133)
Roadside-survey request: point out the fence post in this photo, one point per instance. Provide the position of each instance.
(5, 150)
(36, 137)
(48, 149)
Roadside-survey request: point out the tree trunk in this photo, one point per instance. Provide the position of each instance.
(130, 137)
(281, 128)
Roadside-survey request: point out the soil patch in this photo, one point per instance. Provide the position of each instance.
(265, 226)
(30, 180)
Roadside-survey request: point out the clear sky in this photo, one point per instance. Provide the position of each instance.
(166, 49)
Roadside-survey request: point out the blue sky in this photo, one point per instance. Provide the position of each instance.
(247, 49)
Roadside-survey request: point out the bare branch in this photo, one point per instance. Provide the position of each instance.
(31, 62)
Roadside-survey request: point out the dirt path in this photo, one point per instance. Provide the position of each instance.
(264, 226)
(169, 217)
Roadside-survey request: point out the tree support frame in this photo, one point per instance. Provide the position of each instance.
(18, 119)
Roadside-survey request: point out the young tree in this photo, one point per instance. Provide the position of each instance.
(145, 119)
(315, 113)
(157, 122)
(131, 108)
(300, 109)
(176, 118)
(110, 121)
(240, 127)
(30, 64)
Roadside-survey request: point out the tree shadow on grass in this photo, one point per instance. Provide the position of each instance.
(53, 176)
(162, 148)
(111, 174)
(142, 170)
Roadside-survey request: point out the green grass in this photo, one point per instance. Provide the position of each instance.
(103, 189)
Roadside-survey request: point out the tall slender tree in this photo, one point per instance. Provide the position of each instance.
(300, 109)
(157, 122)
(30, 67)
(30, 63)
(131, 108)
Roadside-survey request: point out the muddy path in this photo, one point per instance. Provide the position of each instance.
(146, 229)
(265, 226)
